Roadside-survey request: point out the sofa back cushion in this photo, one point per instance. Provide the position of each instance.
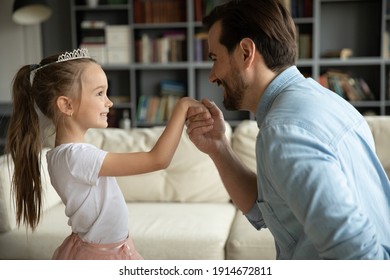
(7, 207)
(191, 176)
(244, 140)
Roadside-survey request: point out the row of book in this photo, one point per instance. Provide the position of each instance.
(299, 8)
(169, 47)
(159, 11)
(157, 109)
(347, 86)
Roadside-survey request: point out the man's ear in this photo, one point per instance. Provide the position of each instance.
(248, 50)
(64, 104)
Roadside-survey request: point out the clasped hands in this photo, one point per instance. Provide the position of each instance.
(205, 128)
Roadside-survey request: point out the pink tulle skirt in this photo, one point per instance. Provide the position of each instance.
(73, 248)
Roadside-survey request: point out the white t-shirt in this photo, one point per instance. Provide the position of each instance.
(95, 205)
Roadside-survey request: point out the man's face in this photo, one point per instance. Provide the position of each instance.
(225, 71)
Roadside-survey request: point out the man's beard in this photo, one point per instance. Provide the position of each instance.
(233, 94)
(231, 102)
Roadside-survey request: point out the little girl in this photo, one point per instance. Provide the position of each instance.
(71, 90)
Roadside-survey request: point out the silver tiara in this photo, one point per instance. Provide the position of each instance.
(75, 54)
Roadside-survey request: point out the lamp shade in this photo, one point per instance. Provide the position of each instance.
(29, 12)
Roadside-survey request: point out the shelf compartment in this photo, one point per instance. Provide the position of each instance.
(118, 84)
(350, 24)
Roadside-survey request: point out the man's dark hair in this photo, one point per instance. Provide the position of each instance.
(266, 22)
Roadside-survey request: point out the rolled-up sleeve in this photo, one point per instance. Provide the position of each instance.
(255, 218)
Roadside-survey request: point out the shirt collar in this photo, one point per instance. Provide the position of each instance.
(278, 84)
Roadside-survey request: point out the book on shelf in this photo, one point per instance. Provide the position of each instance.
(386, 44)
(335, 84)
(151, 112)
(198, 8)
(142, 108)
(304, 46)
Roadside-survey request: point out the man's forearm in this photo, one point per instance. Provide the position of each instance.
(240, 182)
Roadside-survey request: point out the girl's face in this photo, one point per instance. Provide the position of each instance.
(94, 104)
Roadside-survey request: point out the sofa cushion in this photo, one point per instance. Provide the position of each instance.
(174, 231)
(380, 127)
(159, 230)
(247, 243)
(175, 183)
(7, 210)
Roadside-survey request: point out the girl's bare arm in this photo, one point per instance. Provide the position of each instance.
(160, 156)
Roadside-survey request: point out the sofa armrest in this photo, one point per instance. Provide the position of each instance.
(7, 210)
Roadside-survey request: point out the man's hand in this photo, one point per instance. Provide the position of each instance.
(206, 133)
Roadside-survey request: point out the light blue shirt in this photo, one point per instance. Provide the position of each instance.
(322, 191)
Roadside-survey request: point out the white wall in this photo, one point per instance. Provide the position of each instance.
(19, 45)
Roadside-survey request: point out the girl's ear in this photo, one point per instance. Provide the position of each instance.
(64, 104)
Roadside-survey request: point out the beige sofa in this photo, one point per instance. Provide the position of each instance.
(182, 212)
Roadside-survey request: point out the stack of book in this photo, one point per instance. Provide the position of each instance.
(350, 88)
(107, 44)
(118, 44)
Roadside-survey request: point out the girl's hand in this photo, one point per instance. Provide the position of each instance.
(189, 102)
